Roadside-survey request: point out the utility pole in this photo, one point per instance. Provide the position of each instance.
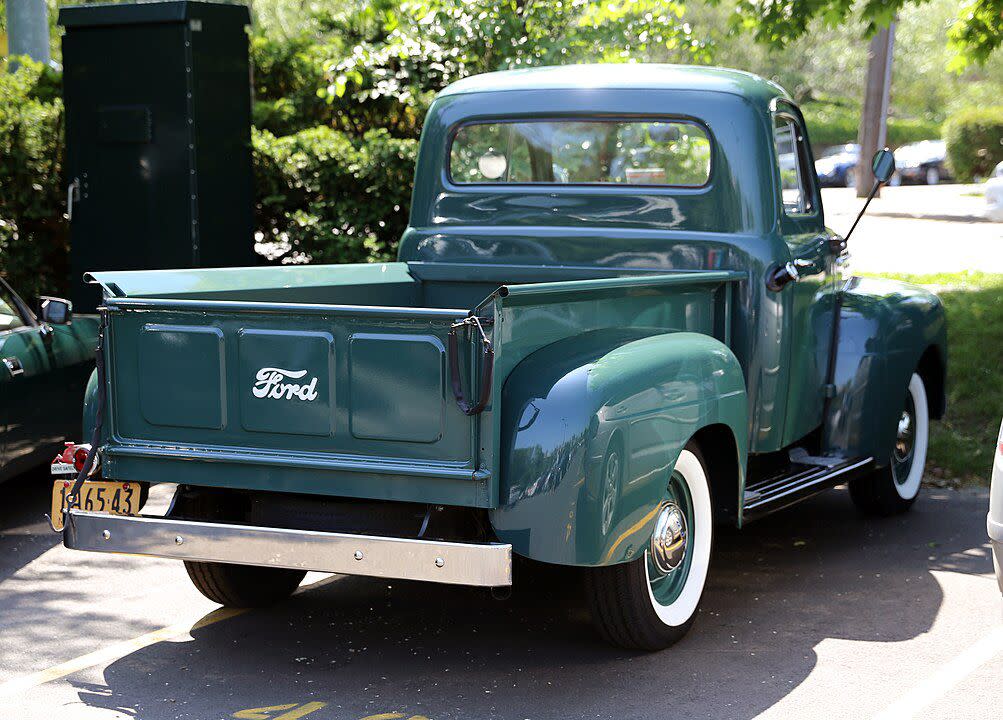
(28, 29)
(873, 123)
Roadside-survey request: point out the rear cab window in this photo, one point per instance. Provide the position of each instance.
(797, 186)
(651, 152)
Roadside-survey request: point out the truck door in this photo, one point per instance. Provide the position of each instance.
(23, 386)
(808, 305)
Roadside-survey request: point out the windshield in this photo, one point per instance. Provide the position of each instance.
(632, 152)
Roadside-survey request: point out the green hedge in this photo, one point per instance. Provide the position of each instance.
(832, 125)
(321, 198)
(33, 229)
(974, 141)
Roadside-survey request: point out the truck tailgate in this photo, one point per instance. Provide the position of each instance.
(338, 400)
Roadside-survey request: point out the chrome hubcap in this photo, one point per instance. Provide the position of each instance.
(903, 439)
(668, 544)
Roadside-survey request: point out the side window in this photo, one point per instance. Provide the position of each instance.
(10, 315)
(792, 159)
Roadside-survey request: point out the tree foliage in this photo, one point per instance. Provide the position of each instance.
(975, 141)
(976, 32)
(390, 78)
(33, 233)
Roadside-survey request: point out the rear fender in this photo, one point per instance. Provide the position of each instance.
(888, 330)
(90, 407)
(567, 406)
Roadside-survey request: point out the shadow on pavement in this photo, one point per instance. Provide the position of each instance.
(776, 590)
(24, 532)
(966, 219)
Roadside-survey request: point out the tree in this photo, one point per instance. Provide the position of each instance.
(388, 80)
(976, 33)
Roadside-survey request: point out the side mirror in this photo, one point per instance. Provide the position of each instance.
(56, 311)
(883, 165)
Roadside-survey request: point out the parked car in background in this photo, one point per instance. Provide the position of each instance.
(837, 166)
(994, 522)
(45, 365)
(922, 163)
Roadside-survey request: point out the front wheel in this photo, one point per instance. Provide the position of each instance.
(651, 602)
(893, 489)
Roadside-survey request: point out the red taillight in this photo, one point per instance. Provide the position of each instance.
(79, 459)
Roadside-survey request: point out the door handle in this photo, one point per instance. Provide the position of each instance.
(788, 272)
(13, 365)
(72, 196)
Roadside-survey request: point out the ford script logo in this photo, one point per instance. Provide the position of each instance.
(272, 383)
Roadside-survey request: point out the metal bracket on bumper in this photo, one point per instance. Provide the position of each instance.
(484, 564)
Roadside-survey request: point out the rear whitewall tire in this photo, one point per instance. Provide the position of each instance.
(625, 599)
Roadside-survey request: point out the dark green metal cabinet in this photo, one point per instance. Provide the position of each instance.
(158, 138)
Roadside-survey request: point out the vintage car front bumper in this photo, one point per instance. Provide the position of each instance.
(994, 521)
(454, 563)
(996, 542)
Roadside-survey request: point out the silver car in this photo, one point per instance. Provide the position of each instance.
(995, 519)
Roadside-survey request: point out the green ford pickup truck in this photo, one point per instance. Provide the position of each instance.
(617, 320)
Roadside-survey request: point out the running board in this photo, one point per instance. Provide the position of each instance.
(780, 491)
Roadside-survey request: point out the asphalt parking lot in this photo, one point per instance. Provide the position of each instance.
(814, 612)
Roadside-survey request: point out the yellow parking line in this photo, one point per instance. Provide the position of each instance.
(121, 649)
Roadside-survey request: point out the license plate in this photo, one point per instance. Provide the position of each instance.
(120, 498)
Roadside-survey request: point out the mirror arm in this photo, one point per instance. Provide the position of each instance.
(870, 196)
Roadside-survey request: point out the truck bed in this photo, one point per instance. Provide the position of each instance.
(334, 380)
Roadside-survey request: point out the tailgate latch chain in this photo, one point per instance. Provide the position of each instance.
(487, 365)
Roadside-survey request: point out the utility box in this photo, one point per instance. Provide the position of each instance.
(158, 138)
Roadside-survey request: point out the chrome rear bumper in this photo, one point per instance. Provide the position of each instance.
(485, 564)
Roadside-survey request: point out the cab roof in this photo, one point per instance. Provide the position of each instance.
(646, 76)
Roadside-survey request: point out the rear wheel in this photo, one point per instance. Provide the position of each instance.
(893, 489)
(651, 602)
(932, 176)
(237, 586)
(243, 586)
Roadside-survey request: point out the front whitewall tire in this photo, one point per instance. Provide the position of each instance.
(682, 609)
(909, 487)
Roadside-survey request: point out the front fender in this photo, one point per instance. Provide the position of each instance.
(568, 404)
(886, 327)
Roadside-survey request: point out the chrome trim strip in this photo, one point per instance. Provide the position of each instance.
(243, 456)
(453, 563)
(142, 304)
